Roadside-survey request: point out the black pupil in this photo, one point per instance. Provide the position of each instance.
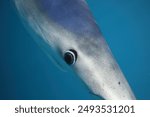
(69, 58)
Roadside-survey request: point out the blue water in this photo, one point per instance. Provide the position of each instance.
(27, 73)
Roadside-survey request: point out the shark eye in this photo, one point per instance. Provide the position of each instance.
(70, 57)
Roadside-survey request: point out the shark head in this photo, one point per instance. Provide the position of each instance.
(68, 28)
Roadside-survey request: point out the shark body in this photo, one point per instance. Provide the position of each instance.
(68, 25)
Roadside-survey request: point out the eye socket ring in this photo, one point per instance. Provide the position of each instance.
(70, 57)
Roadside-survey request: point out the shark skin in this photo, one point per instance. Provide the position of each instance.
(69, 24)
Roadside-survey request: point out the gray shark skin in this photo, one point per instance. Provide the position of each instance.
(69, 24)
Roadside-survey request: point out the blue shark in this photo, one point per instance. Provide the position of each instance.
(68, 28)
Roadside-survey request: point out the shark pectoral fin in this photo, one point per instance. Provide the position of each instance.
(53, 56)
(49, 50)
(57, 63)
(45, 45)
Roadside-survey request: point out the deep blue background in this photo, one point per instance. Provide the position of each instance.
(27, 73)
